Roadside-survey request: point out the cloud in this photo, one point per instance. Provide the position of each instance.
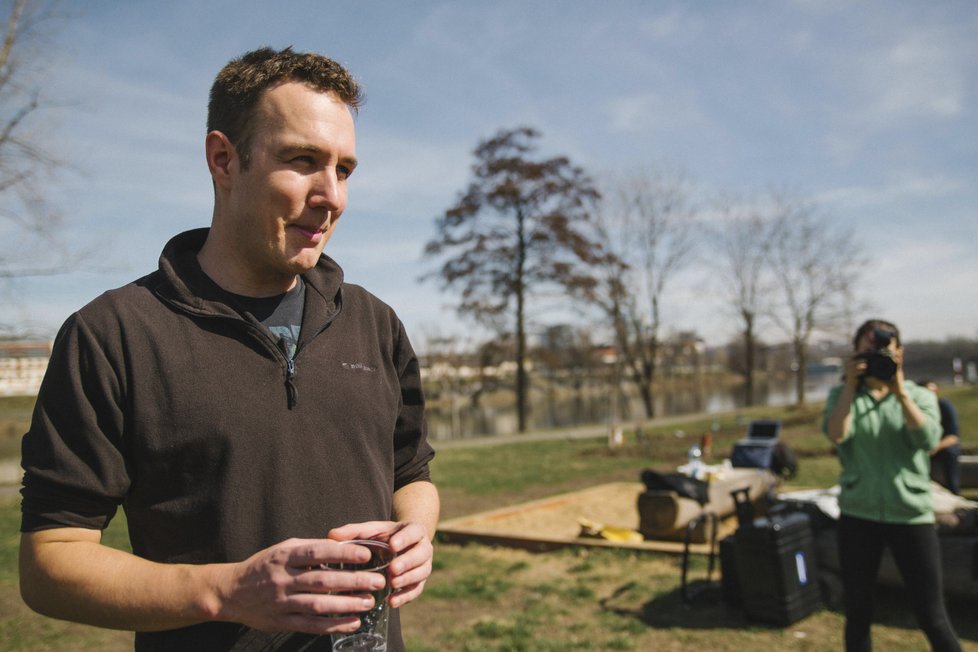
(407, 175)
(633, 113)
(914, 75)
(917, 77)
(900, 190)
(666, 25)
(654, 112)
(923, 287)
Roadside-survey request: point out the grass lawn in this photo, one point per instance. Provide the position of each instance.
(483, 598)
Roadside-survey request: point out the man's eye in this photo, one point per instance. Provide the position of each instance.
(343, 171)
(304, 160)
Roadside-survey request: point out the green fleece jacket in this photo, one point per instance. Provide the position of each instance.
(885, 465)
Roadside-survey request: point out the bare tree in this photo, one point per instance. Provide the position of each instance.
(648, 225)
(816, 266)
(612, 297)
(741, 252)
(519, 227)
(26, 165)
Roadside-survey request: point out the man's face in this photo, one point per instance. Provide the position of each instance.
(284, 207)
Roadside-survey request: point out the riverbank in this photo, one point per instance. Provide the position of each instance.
(555, 405)
(590, 431)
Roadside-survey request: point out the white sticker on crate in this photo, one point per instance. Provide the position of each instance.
(802, 569)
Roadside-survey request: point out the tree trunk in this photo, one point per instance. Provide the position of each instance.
(650, 369)
(521, 384)
(801, 356)
(645, 389)
(521, 379)
(749, 360)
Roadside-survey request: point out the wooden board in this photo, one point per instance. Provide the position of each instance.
(552, 523)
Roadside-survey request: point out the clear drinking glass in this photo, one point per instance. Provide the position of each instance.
(372, 634)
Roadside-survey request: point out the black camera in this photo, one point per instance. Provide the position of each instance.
(879, 362)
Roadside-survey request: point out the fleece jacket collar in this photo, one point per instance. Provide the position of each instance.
(183, 284)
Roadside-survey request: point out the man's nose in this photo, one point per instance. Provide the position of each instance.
(327, 191)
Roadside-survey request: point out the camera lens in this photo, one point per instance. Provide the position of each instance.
(882, 337)
(881, 365)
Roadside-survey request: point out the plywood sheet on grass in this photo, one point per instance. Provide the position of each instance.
(551, 523)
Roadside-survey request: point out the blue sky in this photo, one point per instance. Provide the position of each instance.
(868, 107)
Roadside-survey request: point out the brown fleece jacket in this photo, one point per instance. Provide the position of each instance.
(162, 398)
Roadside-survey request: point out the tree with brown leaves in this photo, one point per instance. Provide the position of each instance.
(519, 228)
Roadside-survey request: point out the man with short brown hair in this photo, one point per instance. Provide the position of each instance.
(246, 407)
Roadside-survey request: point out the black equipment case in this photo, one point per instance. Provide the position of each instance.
(729, 583)
(777, 571)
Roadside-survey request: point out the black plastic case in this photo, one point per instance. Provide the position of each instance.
(777, 570)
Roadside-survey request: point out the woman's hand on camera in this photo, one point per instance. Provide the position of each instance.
(896, 382)
(854, 370)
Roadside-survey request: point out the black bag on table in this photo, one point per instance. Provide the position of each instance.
(684, 485)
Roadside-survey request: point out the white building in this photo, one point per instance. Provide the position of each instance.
(22, 366)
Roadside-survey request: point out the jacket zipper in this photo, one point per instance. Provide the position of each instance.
(290, 386)
(291, 390)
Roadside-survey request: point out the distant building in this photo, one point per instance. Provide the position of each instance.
(22, 366)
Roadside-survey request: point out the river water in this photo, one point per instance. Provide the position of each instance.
(462, 419)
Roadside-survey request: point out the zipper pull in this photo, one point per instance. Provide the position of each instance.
(290, 387)
(291, 390)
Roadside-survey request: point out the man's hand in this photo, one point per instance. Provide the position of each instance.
(284, 588)
(67, 573)
(410, 543)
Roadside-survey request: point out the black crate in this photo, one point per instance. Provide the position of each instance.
(777, 569)
(729, 583)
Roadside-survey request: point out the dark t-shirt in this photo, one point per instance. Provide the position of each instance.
(281, 314)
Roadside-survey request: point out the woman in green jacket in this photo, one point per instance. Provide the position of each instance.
(884, 427)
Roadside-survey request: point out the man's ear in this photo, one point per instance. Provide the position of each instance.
(220, 155)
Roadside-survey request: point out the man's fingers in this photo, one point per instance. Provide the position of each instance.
(405, 595)
(377, 530)
(332, 605)
(314, 553)
(337, 581)
(411, 577)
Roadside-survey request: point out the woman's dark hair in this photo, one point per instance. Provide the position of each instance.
(872, 325)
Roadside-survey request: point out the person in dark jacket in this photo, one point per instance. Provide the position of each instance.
(945, 457)
(246, 407)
